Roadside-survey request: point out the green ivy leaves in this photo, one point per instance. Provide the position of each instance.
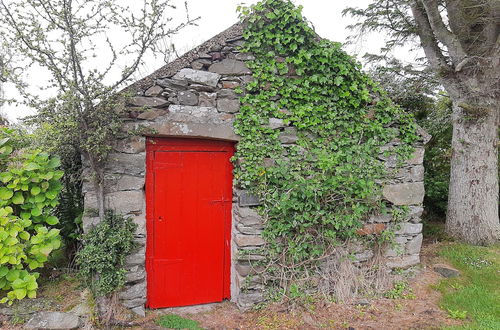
(105, 248)
(28, 192)
(320, 189)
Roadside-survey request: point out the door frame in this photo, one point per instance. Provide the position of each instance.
(154, 144)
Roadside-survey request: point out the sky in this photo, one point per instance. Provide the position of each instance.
(217, 15)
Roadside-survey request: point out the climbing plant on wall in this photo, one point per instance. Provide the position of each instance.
(29, 188)
(102, 259)
(318, 190)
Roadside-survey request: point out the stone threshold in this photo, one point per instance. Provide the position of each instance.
(194, 309)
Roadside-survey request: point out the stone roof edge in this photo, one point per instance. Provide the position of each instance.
(170, 69)
(422, 132)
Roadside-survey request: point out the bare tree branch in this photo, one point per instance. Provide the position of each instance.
(492, 30)
(463, 50)
(441, 31)
(428, 40)
(69, 39)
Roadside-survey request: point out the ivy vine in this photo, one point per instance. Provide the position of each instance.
(318, 190)
(105, 248)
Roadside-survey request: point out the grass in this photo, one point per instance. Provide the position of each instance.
(475, 295)
(173, 321)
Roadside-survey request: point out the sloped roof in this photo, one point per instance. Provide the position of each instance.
(233, 33)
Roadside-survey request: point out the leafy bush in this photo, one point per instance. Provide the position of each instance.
(48, 137)
(102, 258)
(438, 157)
(29, 188)
(70, 208)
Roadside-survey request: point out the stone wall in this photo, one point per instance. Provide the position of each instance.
(407, 188)
(195, 96)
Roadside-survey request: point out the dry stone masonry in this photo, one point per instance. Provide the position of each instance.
(195, 96)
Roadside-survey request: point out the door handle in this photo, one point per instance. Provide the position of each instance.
(160, 219)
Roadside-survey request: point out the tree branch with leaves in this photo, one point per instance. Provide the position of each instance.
(461, 42)
(72, 42)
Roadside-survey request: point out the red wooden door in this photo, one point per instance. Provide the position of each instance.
(189, 198)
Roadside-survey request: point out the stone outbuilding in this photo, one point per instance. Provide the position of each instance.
(175, 180)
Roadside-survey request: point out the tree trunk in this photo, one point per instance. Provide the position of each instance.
(473, 196)
(100, 197)
(98, 180)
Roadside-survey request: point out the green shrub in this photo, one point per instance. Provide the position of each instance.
(438, 157)
(47, 136)
(29, 188)
(70, 209)
(105, 248)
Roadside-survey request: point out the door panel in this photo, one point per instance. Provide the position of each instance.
(189, 209)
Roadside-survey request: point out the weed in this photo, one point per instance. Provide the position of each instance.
(173, 321)
(398, 271)
(17, 319)
(330, 324)
(344, 280)
(94, 313)
(295, 292)
(401, 290)
(456, 286)
(260, 306)
(457, 314)
(272, 322)
(398, 307)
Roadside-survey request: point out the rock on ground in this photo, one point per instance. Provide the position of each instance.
(446, 271)
(53, 320)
